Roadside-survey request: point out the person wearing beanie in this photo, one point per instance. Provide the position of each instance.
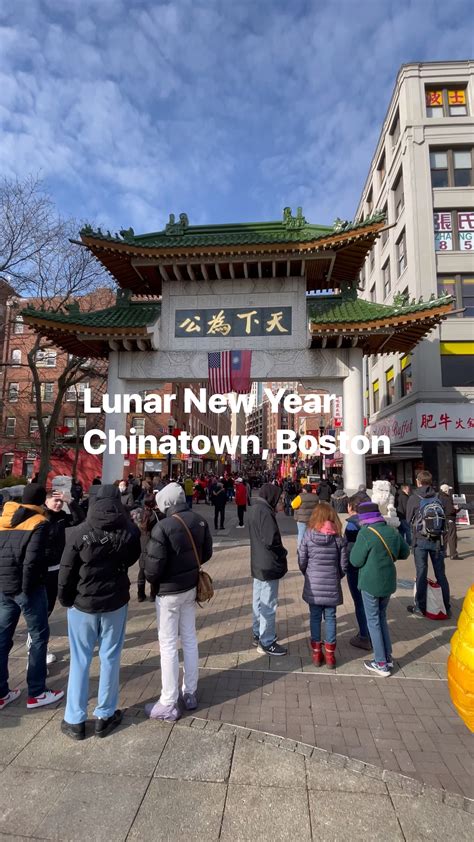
(94, 586)
(178, 543)
(362, 639)
(268, 564)
(23, 570)
(376, 549)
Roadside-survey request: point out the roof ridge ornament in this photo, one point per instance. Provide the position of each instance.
(290, 221)
(173, 227)
(122, 298)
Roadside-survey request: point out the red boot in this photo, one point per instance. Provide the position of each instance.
(329, 650)
(318, 658)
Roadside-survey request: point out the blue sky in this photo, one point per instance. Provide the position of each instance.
(225, 109)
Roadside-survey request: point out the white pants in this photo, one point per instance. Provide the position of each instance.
(176, 617)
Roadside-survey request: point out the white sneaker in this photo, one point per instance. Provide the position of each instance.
(28, 642)
(49, 697)
(51, 658)
(11, 696)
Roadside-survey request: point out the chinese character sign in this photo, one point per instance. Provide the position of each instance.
(466, 230)
(234, 321)
(457, 97)
(443, 228)
(434, 99)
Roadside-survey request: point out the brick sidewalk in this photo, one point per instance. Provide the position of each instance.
(406, 723)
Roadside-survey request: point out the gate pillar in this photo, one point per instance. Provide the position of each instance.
(353, 411)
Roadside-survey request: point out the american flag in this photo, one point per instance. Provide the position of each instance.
(229, 371)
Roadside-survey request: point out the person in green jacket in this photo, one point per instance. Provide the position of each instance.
(377, 548)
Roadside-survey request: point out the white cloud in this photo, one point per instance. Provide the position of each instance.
(224, 110)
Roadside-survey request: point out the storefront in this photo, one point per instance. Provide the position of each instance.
(434, 436)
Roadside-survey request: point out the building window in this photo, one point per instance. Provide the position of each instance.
(46, 392)
(139, 425)
(390, 385)
(395, 130)
(454, 230)
(74, 428)
(451, 168)
(401, 247)
(461, 287)
(76, 392)
(375, 396)
(372, 293)
(446, 102)
(46, 359)
(372, 259)
(381, 168)
(457, 364)
(398, 195)
(406, 375)
(385, 230)
(13, 392)
(370, 202)
(387, 283)
(362, 278)
(16, 357)
(18, 325)
(10, 424)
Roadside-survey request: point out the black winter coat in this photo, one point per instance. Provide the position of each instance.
(93, 572)
(23, 535)
(324, 491)
(169, 560)
(267, 553)
(58, 523)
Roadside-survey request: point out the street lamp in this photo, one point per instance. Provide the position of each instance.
(171, 425)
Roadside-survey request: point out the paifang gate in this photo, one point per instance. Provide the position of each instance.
(286, 290)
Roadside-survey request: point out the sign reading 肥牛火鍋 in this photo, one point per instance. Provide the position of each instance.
(234, 321)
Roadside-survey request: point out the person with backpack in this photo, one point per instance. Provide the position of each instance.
(178, 544)
(376, 549)
(323, 559)
(324, 490)
(95, 588)
(427, 517)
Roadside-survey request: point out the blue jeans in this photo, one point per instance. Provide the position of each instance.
(424, 548)
(34, 607)
(405, 531)
(264, 606)
(352, 581)
(189, 500)
(376, 613)
(301, 527)
(316, 614)
(85, 630)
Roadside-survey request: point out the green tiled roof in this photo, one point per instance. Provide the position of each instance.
(291, 229)
(348, 308)
(127, 314)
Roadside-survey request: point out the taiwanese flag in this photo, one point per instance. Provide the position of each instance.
(241, 362)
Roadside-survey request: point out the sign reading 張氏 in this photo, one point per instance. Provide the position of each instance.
(232, 321)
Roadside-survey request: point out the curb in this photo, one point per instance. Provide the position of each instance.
(407, 785)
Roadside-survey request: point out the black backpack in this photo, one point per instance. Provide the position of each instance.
(429, 519)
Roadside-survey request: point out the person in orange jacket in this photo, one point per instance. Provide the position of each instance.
(461, 663)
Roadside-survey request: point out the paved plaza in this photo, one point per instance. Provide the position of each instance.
(277, 749)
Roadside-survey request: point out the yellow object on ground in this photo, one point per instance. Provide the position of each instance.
(461, 663)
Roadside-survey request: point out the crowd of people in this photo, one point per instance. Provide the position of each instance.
(82, 556)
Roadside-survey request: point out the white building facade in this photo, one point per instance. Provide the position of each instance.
(421, 174)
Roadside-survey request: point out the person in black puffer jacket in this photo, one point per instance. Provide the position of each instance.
(94, 586)
(23, 568)
(172, 569)
(268, 565)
